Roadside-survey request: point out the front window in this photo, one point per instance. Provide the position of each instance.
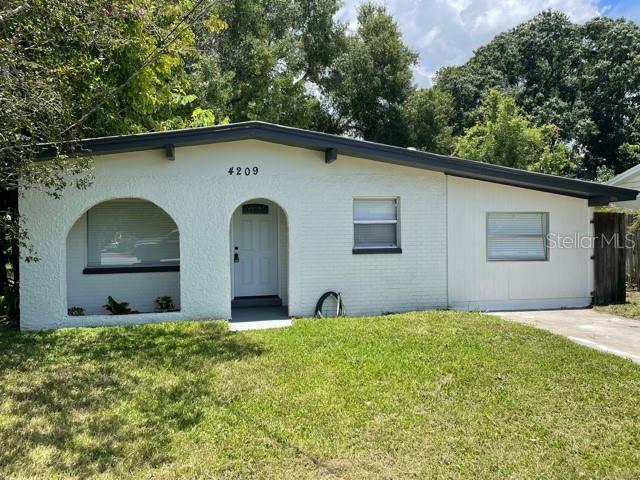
(131, 233)
(375, 224)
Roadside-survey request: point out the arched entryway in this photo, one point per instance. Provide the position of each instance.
(259, 259)
(127, 249)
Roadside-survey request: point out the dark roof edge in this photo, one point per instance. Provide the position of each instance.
(596, 193)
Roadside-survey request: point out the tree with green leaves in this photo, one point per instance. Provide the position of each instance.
(371, 79)
(582, 78)
(535, 62)
(73, 69)
(273, 55)
(505, 136)
(609, 85)
(428, 116)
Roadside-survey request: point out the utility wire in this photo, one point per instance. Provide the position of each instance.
(152, 56)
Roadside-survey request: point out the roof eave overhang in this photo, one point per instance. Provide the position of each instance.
(596, 194)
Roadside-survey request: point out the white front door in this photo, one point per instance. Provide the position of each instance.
(254, 250)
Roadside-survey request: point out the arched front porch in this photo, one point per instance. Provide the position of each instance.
(123, 251)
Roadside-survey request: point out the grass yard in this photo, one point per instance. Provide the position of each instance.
(631, 309)
(433, 394)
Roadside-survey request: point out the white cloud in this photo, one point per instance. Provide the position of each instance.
(446, 32)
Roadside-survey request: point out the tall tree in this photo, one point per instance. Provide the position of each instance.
(505, 136)
(609, 85)
(467, 85)
(581, 78)
(428, 116)
(372, 79)
(62, 59)
(273, 55)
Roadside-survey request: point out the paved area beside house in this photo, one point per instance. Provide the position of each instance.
(602, 331)
(257, 318)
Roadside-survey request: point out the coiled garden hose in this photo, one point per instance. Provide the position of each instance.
(339, 306)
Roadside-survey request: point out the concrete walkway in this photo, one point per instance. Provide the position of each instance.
(602, 331)
(258, 318)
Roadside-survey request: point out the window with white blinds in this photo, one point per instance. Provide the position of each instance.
(375, 223)
(517, 236)
(131, 232)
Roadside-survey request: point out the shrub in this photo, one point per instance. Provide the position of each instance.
(118, 308)
(75, 312)
(165, 304)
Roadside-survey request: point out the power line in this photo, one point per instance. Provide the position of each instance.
(152, 56)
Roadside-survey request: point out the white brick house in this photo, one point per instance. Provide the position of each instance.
(263, 211)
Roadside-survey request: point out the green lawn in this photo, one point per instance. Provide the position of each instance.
(434, 394)
(630, 309)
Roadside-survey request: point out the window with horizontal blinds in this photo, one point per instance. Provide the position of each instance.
(131, 233)
(517, 236)
(375, 223)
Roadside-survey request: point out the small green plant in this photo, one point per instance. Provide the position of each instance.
(118, 308)
(75, 312)
(165, 304)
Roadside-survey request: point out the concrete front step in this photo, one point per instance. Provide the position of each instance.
(266, 301)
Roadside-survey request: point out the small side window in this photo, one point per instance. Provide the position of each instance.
(514, 236)
(375, 225)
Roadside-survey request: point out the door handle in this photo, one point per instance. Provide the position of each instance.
(236, 258)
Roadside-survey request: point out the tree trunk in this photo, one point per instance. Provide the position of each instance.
(4, 242)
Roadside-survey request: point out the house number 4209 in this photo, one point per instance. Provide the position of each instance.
(243, 171)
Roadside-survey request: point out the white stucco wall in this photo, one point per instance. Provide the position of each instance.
(199, 194)
(565, 280)
(283, 257)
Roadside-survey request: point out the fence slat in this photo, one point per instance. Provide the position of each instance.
(632, 252)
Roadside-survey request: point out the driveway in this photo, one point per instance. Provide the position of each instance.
(609, 333)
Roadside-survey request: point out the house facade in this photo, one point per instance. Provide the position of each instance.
(255, 211)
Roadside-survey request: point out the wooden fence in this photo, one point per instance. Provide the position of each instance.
(609, 258)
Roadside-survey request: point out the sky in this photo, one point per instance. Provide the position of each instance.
(446, 32)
